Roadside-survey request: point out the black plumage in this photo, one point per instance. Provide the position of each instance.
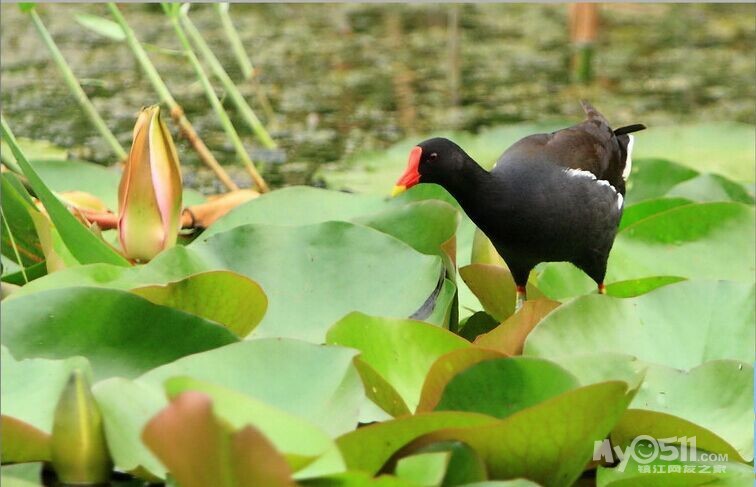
(550, 197)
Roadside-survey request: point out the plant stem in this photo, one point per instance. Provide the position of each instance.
(228, 127)
(177, 113)
(241, 104)
(15, 247)
(233, 38)
(75, 87)
(248, 71)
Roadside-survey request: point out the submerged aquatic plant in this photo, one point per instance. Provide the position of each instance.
(149, 196)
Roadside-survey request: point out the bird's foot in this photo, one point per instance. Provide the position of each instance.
(522, 295)
(601, 288)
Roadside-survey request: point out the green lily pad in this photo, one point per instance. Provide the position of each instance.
(550, 442)
(369, 447)
(711, 187)
(495, 288)
(722, 147)
(21, 475)
(401, 351)
(327, 386)
(424, 468)
(509, 337)
(233, 300)
(309, 276)
(680, 325)
(356, 479)
(502, 387)
(661, 473)
(637, 212)
(653, 178)
(446, 368)
(121, 334)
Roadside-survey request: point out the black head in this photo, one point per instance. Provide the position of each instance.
(436, 160)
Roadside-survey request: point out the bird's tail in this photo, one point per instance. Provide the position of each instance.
(591, 111)
(629, 129)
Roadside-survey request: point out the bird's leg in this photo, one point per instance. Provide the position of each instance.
(601, 288)
(522, 295)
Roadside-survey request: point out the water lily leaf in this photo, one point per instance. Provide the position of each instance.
(424, 468)
(199, 450)
(311, 280)
(401, 351)
(356, 479)
(328, 388)
(687, 473)
(717, 395)
(299, 441)
(680, 325)
(653, 178)
(445, 368)
(126, 406)
(380, 391)
(117, 331)
(636, 287)
(23, 442)
(557, 434)
(509, 337)
(502, 387)
(57, 255)
(495, 288)
(722, 147)
(711, 187)
(697, 240)
(369, 447)
(233, 300)
(483, 252)
(477, 324)
(21, 475)
(464, 465)
(30, 388)
(637, 212)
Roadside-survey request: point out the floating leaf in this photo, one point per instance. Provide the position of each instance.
(653, 178)
(711, 187)
(121, 334)
(233, 300)
(23, 442)
(509, 337)
(495, 288)
(401, 351)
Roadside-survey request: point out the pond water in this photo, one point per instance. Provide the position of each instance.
(349, 78)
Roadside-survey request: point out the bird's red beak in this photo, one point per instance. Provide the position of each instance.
(411, 175)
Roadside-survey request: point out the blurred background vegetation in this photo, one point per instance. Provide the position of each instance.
(347, 81)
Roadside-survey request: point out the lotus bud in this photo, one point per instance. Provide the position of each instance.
(149, 196)
(78, 449)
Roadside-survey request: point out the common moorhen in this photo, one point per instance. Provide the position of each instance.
(550, 197)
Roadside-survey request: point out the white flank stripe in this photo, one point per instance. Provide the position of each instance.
(587, 174)
(620, 201)
(629, 158)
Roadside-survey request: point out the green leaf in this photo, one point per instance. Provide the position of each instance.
(21, 475)
(722, 147)
(327, 386)
(401, 351)
(557, 454)
(83, 244)
(681, 325)
(691, 473)
(30, 388)
(502, 387)
(495, 288)
(636, 287)
(509, 337)
(711, 187)
(102, 26)
(424, 468)
(18, 224)
(23, 442)
(356, 479)
(478, 324)
(234, 301)
(121, 334)
(310, 279)
(653, 178)
(637, 212)
(369, 447)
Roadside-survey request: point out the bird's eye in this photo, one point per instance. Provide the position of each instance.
(433, 156)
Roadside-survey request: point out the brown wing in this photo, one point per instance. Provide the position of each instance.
(589, 146)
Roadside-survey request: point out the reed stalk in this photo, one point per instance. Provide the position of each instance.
(74, 87)
(233, 92)
(177, 113)
(225, 121)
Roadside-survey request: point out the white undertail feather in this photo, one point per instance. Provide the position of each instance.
(629, 158)
(620, 200)
(587, 174)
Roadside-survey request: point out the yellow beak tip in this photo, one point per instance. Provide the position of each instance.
(398, 190)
